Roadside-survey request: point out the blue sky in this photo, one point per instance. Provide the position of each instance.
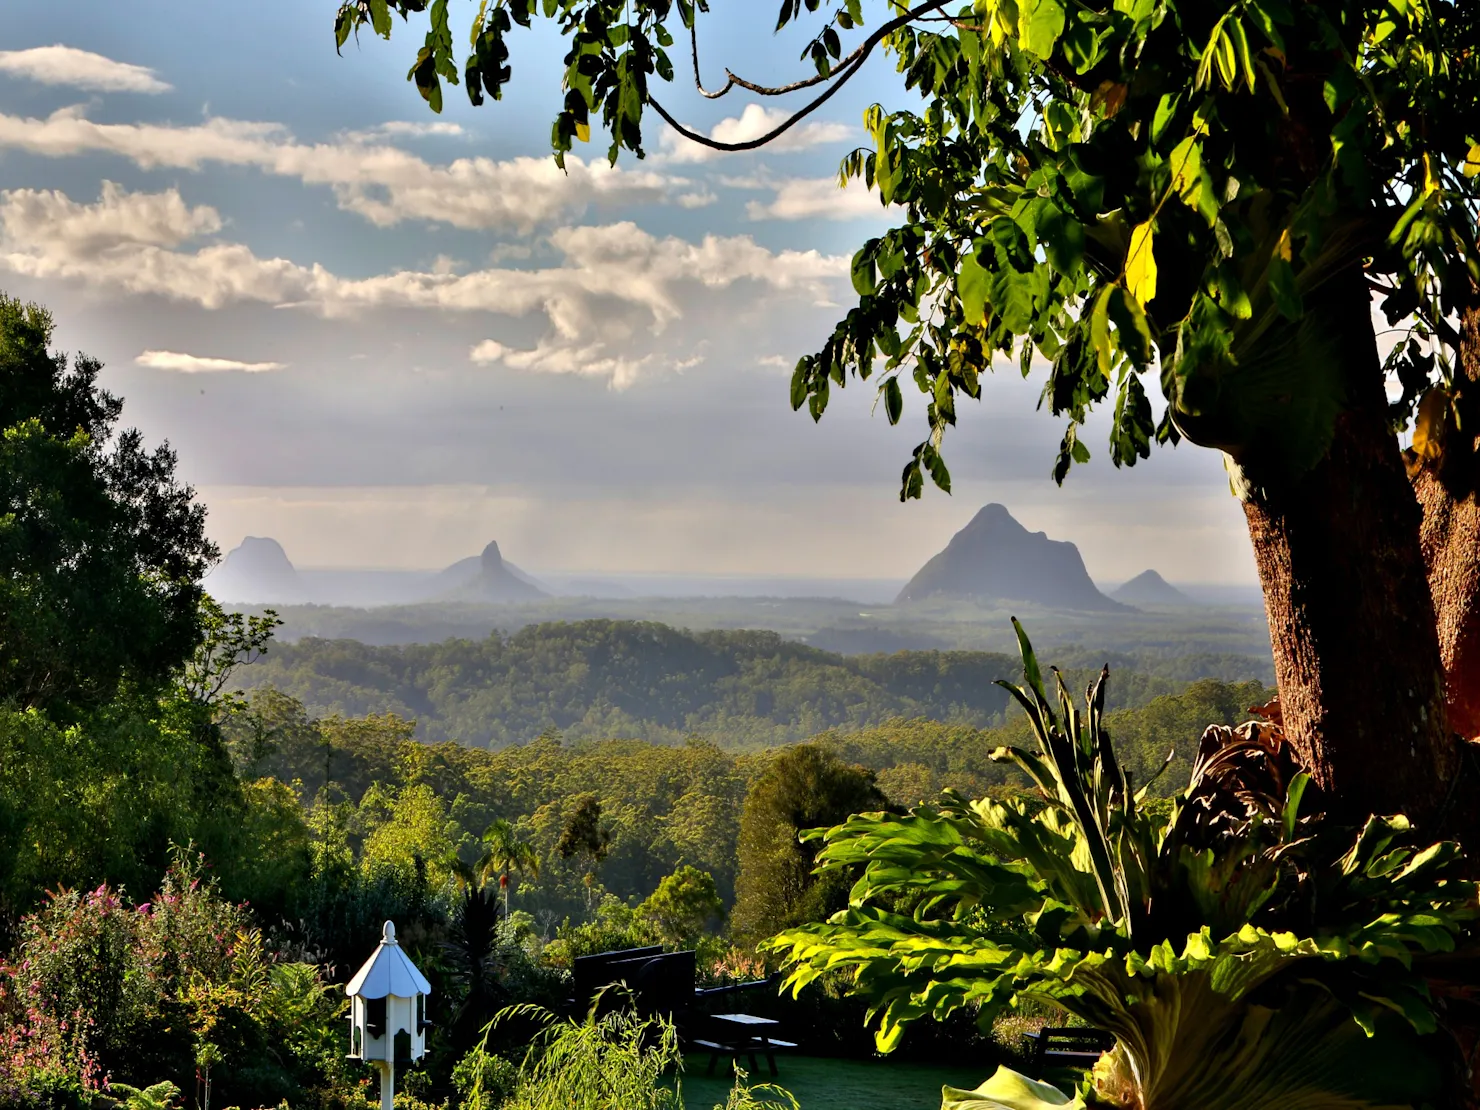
(385, 337)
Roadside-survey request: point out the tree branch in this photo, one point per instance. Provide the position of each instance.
(839, 76)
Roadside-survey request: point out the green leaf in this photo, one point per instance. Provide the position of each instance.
(893, 399)
(863, 273)
(1140, 264)
(1132, 327)
(1191, 183)
(1062, 238)
(380, 18)
(972, 285)
(1040, 23)
(1293, 794)
(1099, 331)
(1283, 290)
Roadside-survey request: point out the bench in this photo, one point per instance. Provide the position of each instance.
(1065, 1048)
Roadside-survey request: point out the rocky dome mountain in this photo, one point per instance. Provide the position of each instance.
(258, 569)
(1150, 588)
(486, 577)
(994, 558)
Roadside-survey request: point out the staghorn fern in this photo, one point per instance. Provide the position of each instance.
(1243, 955)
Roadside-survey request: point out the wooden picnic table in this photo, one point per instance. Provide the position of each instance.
(744, 1035)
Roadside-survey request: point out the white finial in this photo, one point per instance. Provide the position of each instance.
(389, 935)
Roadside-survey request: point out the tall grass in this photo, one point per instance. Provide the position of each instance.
(617, 1061)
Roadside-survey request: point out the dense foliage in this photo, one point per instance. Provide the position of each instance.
(1244, 953)
(599, 679)
(101, 548)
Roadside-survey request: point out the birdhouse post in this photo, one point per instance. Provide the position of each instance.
(387, 1012)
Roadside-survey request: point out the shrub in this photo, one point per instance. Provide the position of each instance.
(1242, 954)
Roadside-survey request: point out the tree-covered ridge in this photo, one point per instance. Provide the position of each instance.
(601, 678)
(658, 806)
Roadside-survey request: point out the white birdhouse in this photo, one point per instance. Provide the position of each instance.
(387, 1015)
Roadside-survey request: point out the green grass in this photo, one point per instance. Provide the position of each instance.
(823, 1084)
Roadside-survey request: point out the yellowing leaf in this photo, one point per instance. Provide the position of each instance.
(1430, 182)
(583, 132)
(1472, 162)
(1140, 265)
(1428, 425)
(1284, 247)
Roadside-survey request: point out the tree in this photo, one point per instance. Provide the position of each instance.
(805, 787)
(1207, 191)
(101, 548)
(504, 851)
(683, 905)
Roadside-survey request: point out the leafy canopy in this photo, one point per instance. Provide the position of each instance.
(101, 547)
(1120, 186)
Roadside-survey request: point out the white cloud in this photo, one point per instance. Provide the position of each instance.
(816, 198)
(192, 364)
(382, 183)
(52, 223)
(615, 285)
(82, 69)
(755, 121)
(418, 129)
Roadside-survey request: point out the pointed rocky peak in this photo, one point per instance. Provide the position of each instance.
(994, 558)
(492, 561)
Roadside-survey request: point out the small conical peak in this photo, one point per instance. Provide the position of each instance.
(992, 518)
(388, 934)
(493, 562)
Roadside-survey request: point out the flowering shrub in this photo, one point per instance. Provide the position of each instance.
(100, 991)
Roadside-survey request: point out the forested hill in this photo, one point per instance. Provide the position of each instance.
(643, 680)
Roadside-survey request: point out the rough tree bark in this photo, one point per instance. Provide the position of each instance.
(1351, 618)
(1447, 491)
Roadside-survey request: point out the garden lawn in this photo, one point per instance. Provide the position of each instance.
(827, 1084)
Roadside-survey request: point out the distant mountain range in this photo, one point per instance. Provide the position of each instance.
(994, 561)
(994, 558)
(259, 570)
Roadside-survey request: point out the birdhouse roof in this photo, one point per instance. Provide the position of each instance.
(388, 971)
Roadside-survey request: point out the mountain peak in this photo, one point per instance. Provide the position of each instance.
(995, 558)
(1150, 588)
(257, 569)
(486, 577)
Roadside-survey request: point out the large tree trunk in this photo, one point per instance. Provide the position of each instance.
(1351, 619)
(1447, 491)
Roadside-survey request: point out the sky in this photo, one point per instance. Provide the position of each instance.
(384, 337)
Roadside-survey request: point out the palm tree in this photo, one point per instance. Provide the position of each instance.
(504, 851)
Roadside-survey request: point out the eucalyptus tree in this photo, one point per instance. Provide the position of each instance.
(1205, 194)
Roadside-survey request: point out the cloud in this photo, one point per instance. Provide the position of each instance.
(66, 65)
(192, 364)
(815, 198)
(51, 223)
(616, 287)
(417, 129)
(380, 182)
(755, 121)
